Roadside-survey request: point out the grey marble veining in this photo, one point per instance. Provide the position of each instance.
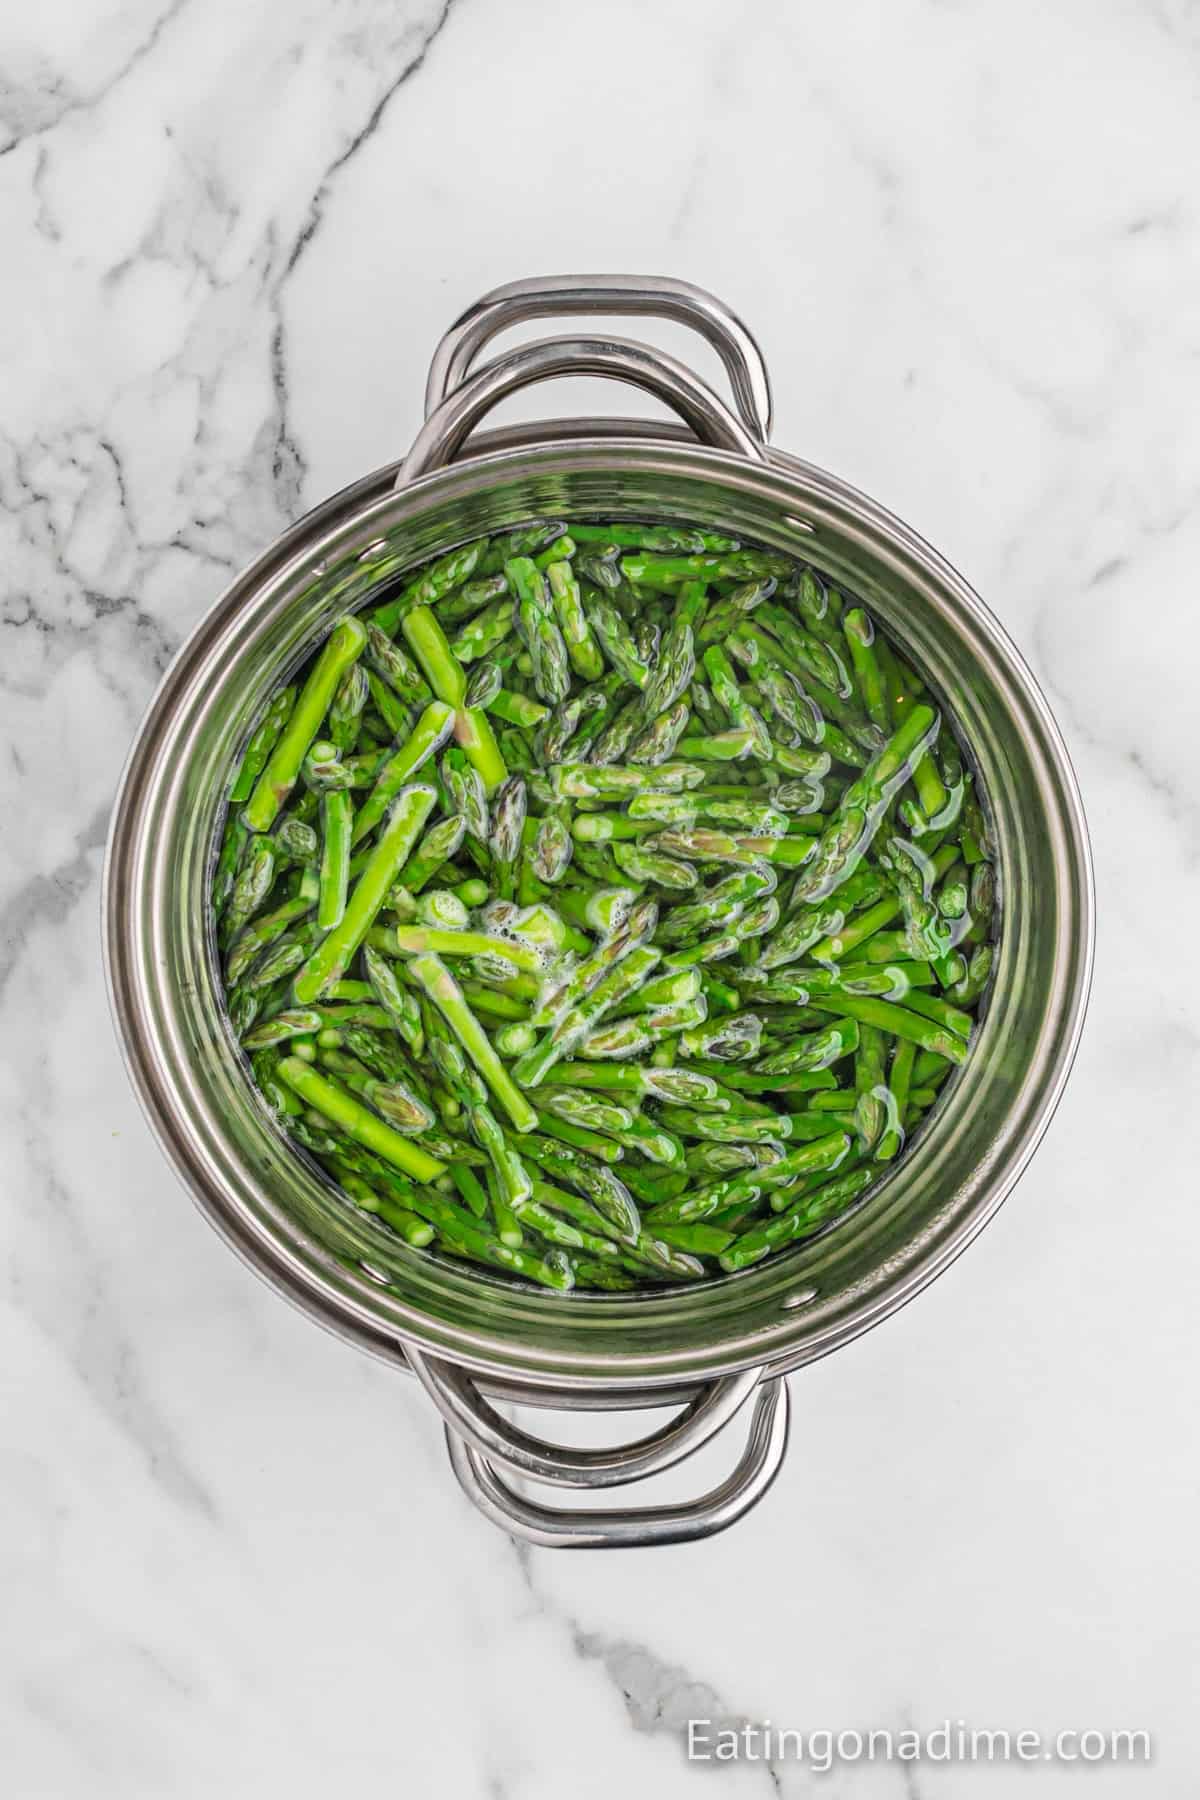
(233, 1558)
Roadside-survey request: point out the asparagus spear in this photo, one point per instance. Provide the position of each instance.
(427, 589)
(426, 739)
(571, 1027)
(437, 981)
(398, 1002)
(896, 1021)
(252, 886)
(332, 957)
(538, 629)
(357, 1121)
(282, 768)
(801, 1220)
(337, 813)
(262, 742)
(445, 676)
(615, 639)
(392, 664)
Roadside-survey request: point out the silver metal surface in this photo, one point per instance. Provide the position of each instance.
(616, 296)
(469, 1414)
(341, 1267)
(628, 1528)
(448, 426)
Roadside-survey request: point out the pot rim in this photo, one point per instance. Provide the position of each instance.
(796, 1341)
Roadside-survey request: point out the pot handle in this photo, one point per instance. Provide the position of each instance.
(469, 1415)
(621, 359)
(618, 296)
(562, 1528)
(485, 1447)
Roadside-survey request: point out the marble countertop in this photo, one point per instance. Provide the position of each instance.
(233, 1558)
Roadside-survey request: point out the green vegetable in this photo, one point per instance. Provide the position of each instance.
(426, 738)
(333, 955)
(261, 744)
(433, 975)
(357, 1121)
(655, 977)
(337, 818)
(282, 769)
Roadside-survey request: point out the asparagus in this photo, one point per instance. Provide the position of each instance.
(674, 538)
(406, 1224)
(668, 572)
(567, 601)
(587, 1221)
(394, 716)
(615, 639)
(870, 1109)
(553, 1269)
(398, 1002)
(465, 792)
(801, 1220)
(439, 578)
(266, 929)
(646, 1082)
(332, 957)
(590, 781)
(538, 629)
(571, 1027)
(426, 739)
(282, 959)
(672, 675)
(262, 742)
(252, 886)
(357, 1121)
(635, 928)
(293, 1022)
(552, 849)
(896, 1021)
(723, 928)
(392, 664)
(704, 845)
(899, 1091)
(720, 746)
(587, 1110)
(484, 685)
(820, 1049)
(484, 633)
(654, 867)
(517, 709)
(282, 768)
(860, 812)
(624, 1038)
(580, 1137)
(445, 676)
(657, 741)
(722, 619)
(437, 981)
(508, 819)
(968, 988)
(601, 566)
(606, 1192)
(435, 849)
(749, 1184)
(337, 813)
(393, 1100)
(415, 940)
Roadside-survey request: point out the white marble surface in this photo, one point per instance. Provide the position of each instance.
(233, 1559)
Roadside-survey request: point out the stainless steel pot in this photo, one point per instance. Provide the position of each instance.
(471, 1339)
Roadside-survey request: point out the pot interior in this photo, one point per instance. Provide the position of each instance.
(353, 1273)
